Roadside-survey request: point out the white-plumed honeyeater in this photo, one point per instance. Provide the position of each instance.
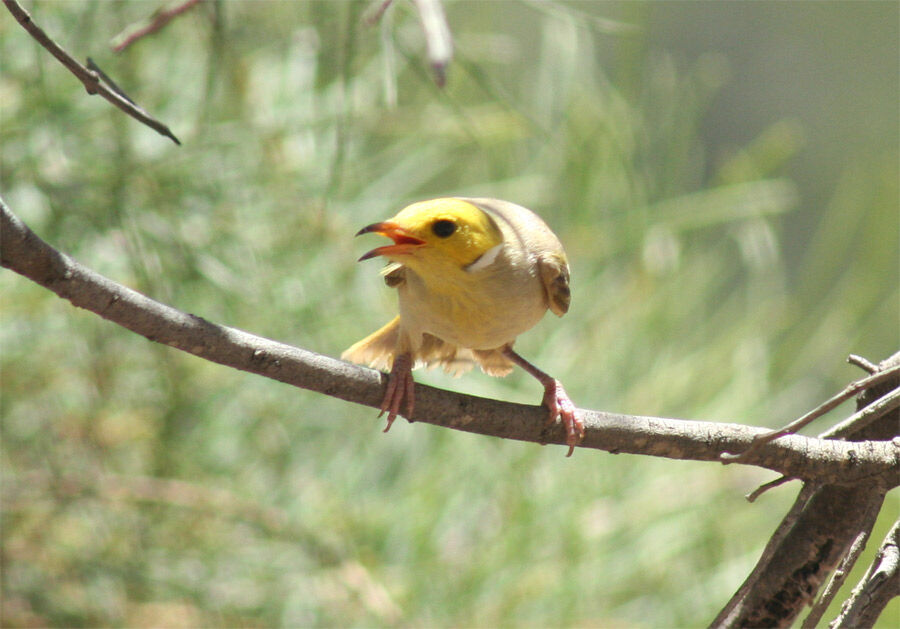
(471, 275)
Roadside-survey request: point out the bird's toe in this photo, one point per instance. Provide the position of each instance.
(560, 405)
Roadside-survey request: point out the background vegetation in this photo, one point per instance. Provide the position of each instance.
(724, 178)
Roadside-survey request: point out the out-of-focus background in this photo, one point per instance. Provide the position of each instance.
(724, 177)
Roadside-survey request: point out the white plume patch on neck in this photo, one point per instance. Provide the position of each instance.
(486, 259)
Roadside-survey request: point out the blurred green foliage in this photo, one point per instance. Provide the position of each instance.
(732, 239)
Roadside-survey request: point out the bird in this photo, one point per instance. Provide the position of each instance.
(471, 274)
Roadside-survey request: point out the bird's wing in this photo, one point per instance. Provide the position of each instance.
(394, 274)
(554, 273)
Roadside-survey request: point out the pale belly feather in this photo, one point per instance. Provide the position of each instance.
(486, 314)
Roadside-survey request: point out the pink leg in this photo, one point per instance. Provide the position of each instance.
(555, 399)
(400, 385)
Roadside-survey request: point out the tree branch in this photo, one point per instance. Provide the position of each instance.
(880, 584)
(91, 80)
(809, 548)
(841, 573)
(801, 457)
(827, 524)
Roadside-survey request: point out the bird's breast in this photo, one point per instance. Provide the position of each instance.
(476, 311)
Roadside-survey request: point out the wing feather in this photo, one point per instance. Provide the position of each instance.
(555, 278)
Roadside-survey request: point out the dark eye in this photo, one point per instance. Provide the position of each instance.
(443, 228)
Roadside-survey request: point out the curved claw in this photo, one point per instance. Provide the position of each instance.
(557, 401)
(400, 386)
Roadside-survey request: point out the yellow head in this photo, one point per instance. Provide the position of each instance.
(437, 234)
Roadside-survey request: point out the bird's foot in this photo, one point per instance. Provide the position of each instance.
(557, 401)
(400, 386)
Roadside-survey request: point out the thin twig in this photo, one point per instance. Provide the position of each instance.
(851, 390)
(862, 363)
(91, 65)
(90, 79)
(438, 40)
(865, 416)
(759, 491)
(879, 585)
(840, 573)
(155, 23)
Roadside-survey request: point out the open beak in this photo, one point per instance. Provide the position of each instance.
(404, 242)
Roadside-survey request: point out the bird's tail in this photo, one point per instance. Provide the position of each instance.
(376, 350)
